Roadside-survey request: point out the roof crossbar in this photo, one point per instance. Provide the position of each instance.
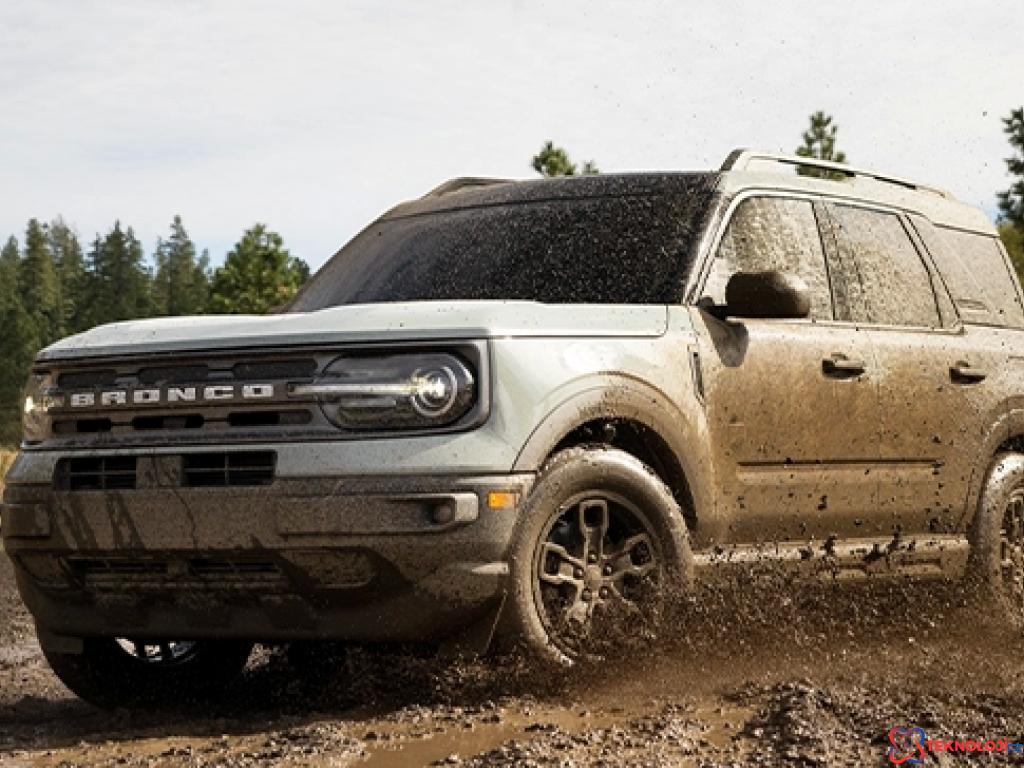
(742, 159)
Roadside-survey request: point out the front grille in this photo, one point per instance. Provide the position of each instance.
(102, 473)
(216, 399)
(212, 470)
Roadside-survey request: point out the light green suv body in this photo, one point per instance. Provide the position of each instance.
(360, 467)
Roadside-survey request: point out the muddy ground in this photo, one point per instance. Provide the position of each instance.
(776, 676)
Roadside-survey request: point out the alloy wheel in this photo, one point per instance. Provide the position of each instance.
(596, 574)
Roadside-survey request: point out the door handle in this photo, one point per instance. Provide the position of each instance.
(842, 367)
(966, 374)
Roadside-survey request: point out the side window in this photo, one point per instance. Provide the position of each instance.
(778, 233)
(895, 286)
(968, 295)
(983, 258)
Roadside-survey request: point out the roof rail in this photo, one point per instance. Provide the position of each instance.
(741, 159)
(463, 182)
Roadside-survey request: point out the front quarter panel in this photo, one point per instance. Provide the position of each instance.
(551, 389)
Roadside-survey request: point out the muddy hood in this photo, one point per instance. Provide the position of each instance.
(362, 322)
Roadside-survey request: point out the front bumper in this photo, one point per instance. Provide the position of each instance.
(367, 559)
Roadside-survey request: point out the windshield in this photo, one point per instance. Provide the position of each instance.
(623, 249)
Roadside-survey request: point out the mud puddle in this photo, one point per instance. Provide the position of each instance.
(437, 744)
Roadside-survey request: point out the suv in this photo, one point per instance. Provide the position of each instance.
(531, 411)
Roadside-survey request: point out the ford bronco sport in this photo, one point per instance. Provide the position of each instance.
(526, 411)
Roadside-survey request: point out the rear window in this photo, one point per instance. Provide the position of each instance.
(622, 249)
(992, 279)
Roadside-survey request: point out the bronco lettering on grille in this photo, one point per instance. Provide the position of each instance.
(214, 393)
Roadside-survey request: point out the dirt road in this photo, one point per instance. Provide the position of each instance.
(763, 680)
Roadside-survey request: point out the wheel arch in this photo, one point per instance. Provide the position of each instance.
(638, 419)
(1005, 434)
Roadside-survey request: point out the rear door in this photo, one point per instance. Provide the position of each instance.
(928, 374)
(791, 405)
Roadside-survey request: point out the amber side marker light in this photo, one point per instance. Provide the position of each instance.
(502, 500)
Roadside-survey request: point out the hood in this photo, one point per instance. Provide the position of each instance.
(362, 323)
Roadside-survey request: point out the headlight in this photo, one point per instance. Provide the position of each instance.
(411, 391)
(39, 401)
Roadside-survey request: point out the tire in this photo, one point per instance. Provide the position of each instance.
(995, 568)
(600, 549)
(112, 673)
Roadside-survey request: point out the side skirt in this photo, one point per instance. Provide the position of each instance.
(924, 557)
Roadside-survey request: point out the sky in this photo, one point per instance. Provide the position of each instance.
(315, 116)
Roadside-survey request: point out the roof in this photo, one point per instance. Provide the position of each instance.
(473, 192)
(744, 169)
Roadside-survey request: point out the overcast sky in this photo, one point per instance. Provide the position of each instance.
(316, 115)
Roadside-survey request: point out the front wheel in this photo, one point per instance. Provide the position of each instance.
(600, 549)
(113, 672)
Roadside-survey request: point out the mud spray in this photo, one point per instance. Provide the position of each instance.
(752, 671)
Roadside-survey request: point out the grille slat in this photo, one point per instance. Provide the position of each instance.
(210, 470)
(187, 421)
(178, 374)
(103, 473)
(164, 571)
(227, 568)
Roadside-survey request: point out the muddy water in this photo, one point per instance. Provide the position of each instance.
(757, 674)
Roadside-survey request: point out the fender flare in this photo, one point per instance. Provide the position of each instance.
(619, 397)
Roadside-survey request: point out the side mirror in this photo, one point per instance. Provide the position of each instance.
(770, 294)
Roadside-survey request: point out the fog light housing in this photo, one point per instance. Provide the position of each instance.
(39, 401)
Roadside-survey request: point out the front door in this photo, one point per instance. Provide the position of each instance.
(792, 405)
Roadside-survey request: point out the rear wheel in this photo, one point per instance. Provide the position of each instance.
(600, 550)
(116, 672)
(997, 537)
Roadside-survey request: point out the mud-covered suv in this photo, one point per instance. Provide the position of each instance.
(528, 411)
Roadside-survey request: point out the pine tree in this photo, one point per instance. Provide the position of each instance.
(259, 274)
(554, 161)
(18, 344)
(182, 282)
(67, 256)
(37, 282)
(10, 260)
(118, 286)
(820, 143)
(1011, 202)
(1013, 240)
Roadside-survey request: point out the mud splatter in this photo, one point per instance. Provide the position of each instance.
(757, 672)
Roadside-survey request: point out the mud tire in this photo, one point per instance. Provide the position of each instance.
(987, 578)
(569, 474)
(108, 676)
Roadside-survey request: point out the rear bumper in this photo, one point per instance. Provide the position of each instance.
(372, 559)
